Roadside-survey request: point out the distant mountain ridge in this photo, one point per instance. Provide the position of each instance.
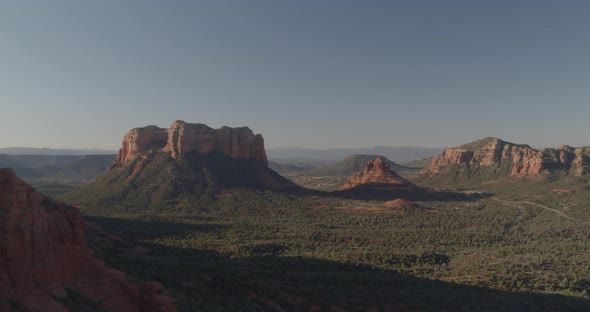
(289, 168)
(53, 151)
(86, 167)
(398, 153)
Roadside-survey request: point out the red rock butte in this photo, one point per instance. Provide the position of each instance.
(43, 254)
(183, 138)
(523, 159)
(376, 172)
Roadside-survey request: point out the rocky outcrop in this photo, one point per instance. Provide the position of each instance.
(183, 138)
(376, 172)
(139, 140)
(399, 204)
(521, 159)
(44, 259)
(582, 160)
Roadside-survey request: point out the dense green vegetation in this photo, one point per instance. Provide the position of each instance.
(257, 250)
(464, 175)
(287, 168)
(56, 174)
(149, 184)
(57, 167)
(53, 189)
(155, 182)
(322, 183)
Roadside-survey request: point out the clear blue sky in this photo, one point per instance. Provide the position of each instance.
(79, 74)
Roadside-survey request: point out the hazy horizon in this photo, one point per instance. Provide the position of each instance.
(305, 74)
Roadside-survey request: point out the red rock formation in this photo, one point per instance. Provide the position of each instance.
(237, 143)
(399, 203)
(582, 160)
(566, 154)
(487, 152)
(450, 156)
(183, 138)
(524, 160)
(43, 256)
(376, 172)
(531, 163)
(139, 140)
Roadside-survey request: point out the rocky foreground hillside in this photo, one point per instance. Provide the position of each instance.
(46, 265)
(505, 158)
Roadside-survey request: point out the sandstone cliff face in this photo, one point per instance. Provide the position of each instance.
(451, 156)
(524, 160)
(582, 160)
(139, 140)
(44, 256)
(376, 172)
(183, 138)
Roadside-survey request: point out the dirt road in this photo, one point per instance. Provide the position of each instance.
(560, 213)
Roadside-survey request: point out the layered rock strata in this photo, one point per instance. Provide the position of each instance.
(183, 138)
(522, 159)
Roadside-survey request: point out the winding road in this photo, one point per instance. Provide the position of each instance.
(560, 213)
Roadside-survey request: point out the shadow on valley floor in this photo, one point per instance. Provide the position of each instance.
(265, 279)
(388, 192)
(150, 228)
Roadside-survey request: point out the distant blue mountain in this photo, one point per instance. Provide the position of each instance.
(395, 153)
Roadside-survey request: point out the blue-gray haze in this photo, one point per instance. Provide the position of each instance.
(305, 73)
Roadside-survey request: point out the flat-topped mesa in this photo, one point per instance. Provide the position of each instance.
(44, 256)
(237, 143)
(183, 138)
(523, 159)
(376, 172)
